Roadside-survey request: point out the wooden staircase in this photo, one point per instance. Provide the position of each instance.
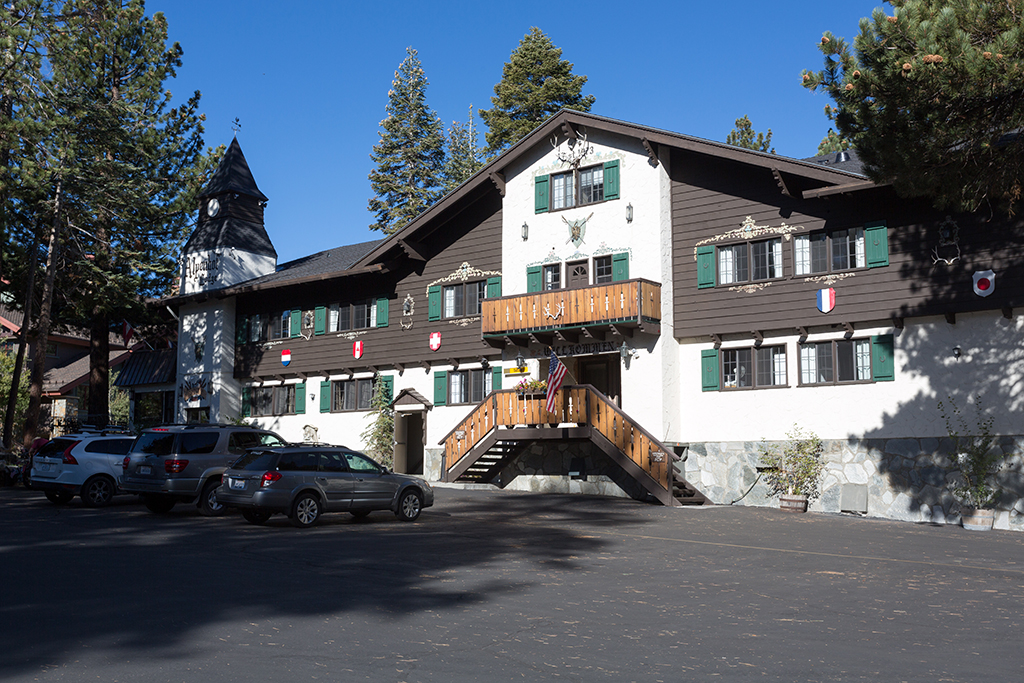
(506, 422)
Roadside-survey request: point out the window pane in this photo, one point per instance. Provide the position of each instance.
(824, 354)
(732, 264)
(198, 442)
(562, 195)
(862, 349)
(808, 364)
(475, 294)
(848, 249)
(553, 277)
(286, 325)
(365, 393)
(844, 359)
(350, 395)
(602, 269)
(771, 366)
(477, 381)
(453, 301)
(457, 390)
(332, 319)
(818, 252)
(592, 185)
(360, 316)
(767, 258)
(736, 368)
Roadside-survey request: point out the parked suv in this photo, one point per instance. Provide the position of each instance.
(305, 481)
(81, 464)
(184, 463)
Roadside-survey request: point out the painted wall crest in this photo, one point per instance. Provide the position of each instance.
(577, 229)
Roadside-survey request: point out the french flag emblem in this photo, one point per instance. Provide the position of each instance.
(826, 299)
(286, 357)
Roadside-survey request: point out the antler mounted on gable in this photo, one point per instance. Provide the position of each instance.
(577, 149)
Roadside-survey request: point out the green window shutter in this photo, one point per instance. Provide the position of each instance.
(382, 312)
(496, 379)
(533, 279)
(325, 397)
(246, 401)
(620, 267)
(883, 368)
(434, 303)
(300, 398)
(389, 387)
(876, 244)
(242, 330)
(709, 370)
(296, 323)
(611, 179)
(319, 320)
(441, 388)
(540, 194)
(705, 267)
(493, 287)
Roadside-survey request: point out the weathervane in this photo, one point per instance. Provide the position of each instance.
(236, 125)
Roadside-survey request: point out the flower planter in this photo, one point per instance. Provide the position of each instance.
(977, 520)
(793, 503)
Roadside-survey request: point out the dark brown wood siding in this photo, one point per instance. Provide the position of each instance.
(473, 236)
(711, 197)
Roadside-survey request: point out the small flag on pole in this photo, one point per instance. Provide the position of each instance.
(127, 331)
(555, 376)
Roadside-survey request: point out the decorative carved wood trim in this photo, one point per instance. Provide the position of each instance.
(498, 179)
(425, 364)
(652, 151)
(413, 249)
(780, 182)
(569, 130)
(717, 339)
(400, 367)
(758, 337)
(454, 362)
(849, 330)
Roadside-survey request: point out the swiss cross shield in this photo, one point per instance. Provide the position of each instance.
(435, 341)
(357, 349)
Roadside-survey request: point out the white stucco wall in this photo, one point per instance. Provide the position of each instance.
(926, 371)
(212, 325)
(209, 269)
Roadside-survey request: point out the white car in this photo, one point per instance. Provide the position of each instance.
(81, 464)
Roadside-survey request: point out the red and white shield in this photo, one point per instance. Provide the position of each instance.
(984, 282)
(435, 341)
(357, 349)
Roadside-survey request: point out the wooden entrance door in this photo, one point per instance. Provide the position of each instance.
(603, 372)
(577, 274)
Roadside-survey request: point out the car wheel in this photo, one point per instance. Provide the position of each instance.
(256, 516)
(306, 510)
(360, 514)
(59, 497)
(158, 504)
(98, 492)
(208, 504)
(409, 506)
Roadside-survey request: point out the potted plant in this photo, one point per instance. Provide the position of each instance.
(531, 387)
(794, 471)
(978, 459)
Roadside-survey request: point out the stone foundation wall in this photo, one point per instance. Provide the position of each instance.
(905, 479)
(545, 466)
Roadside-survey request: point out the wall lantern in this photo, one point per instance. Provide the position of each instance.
(957, 352)
(629, 213)
(484, 363)
(520, 361)
(625, 351)
(526, 231)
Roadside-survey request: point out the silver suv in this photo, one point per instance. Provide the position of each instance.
(83, 464)
(184, 463)
(305, 481)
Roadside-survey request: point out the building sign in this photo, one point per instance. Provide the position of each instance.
(202, 270)
(581, 349)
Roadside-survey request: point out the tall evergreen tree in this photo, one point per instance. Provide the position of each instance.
(128, 166)
(931, 98)
(409, 156)
(743, 136)
(463, 159)
(535, 83)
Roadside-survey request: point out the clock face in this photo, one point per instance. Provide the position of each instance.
(212, 207)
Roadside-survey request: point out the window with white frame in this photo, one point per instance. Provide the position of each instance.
(463, 299)
(351, 394)
(279, 400)
(822, 253)
(750, 261)
(468, 386)
(358, 315)
(760, 367)
(829, 362)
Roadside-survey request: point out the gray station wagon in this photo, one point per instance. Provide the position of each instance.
(305, 481)
(184, 463)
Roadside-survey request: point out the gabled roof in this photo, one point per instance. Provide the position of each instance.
(148, 367)
(321, 263)
(654, 140)
(233, 175)
(65, 378)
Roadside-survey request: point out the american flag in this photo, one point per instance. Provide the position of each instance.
(555, 376)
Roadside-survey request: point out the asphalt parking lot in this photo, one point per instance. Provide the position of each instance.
(501, 586)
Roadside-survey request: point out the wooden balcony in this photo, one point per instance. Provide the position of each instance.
(572, 315)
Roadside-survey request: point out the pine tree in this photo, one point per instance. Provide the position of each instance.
(409, 156)
(535, 84)
(743, 136)
(463, 159)
(832, 143)
(930, 97)
(379, 437)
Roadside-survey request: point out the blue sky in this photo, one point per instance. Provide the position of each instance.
(309, 80)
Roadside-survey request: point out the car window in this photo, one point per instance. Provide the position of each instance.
(297, 462)
(112, 446)
(56, 447)
(360, 463)
(332, 462)
(196, 443)
(155, 443)
(240, 442)
(271, 440)
(254, 460)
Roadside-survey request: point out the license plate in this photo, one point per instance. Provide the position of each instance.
(145, 469)
(236, 484)
(43, 468)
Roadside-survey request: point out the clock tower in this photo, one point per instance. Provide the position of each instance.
(229, 244)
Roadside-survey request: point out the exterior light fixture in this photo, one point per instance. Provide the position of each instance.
(520, 361)
(526, 231)
(957, 352)
(484, 363)
(629, 213)
(625, 351)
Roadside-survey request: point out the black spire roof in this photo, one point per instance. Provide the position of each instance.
(233, 175)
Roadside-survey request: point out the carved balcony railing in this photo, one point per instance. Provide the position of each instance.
(573, 314)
